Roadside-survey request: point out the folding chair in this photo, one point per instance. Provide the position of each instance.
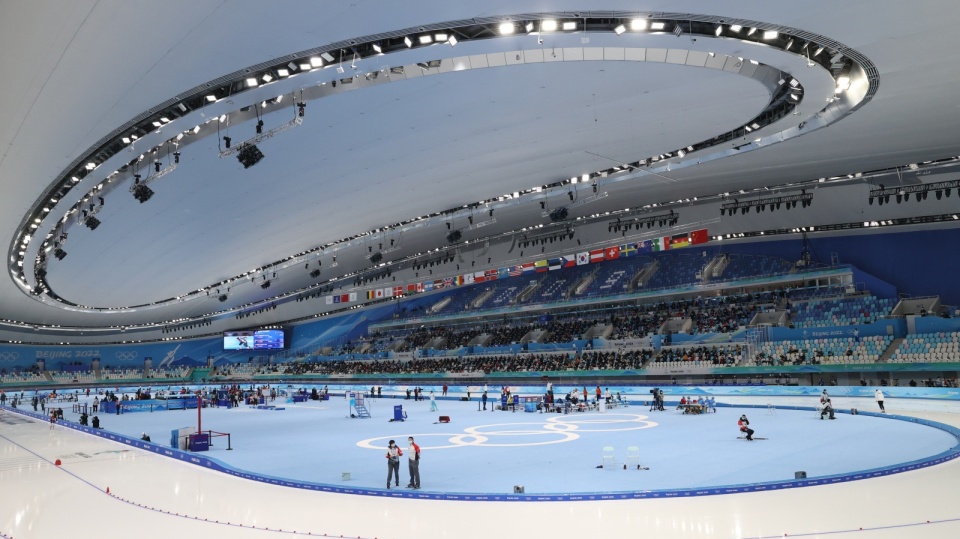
(633, 457)
(609, 456)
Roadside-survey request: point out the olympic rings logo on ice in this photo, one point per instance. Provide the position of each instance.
(9, 356)
(124, 356)
(556, 430)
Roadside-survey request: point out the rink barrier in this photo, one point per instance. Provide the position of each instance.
(216, 465)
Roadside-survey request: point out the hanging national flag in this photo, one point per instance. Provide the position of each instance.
(678, 241)
(329, 300)
(503, 273)
(388, 292)
(448, 281)
(596, 256)
(527, 268)
(661, 244)
(569, 261)
(336, 299)
(699, 236)
(458, 280)
(411, 289)
(371, 294)
(515, 271)
(397, 291)
(611, 253)
(352, 296)
(478, 277)
(379, 293)
(555, 263)
(428, 286)
(541, 266)
(645, 246)
(490, 275)
(628, 249)
(583, 258)
(468, 278)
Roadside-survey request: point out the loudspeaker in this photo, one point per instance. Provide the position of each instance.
(444, 419)
(799, 475)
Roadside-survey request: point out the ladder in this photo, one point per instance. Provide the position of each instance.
(360, 407)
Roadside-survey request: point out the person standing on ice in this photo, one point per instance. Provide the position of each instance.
(433, 402)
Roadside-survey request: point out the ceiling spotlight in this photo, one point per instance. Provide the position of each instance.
(425, 39)
(249, 155)
(407, 42)
(843, 83)
(620, 29)
(638, 24)
(549, 25)
(770, 34)
(452, 41)
(211, 98)
(377, 48)
(569, 25)
(506, 28)
(752, 31)
(657, 26)
(267, 77)
(719, 30)
(251, 82)
(735, 28)
(141, 192)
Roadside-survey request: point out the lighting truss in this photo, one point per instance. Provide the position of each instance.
(923, 188)
(661, 220)
(155, 176)
(481, 224)
(549, 237)
(445, 258)
(804, 198)
(260, 137)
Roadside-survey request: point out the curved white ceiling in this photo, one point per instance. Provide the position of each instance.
(387, 153)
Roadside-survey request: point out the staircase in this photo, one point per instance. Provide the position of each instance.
(888, 353)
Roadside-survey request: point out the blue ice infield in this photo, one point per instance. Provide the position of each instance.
(485, 454)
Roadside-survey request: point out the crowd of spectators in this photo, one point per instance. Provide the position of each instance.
(716, 355)
(620, 360)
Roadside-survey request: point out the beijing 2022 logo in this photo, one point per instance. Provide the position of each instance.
(126, 356)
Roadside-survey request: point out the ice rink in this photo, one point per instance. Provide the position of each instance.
(482, 454)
